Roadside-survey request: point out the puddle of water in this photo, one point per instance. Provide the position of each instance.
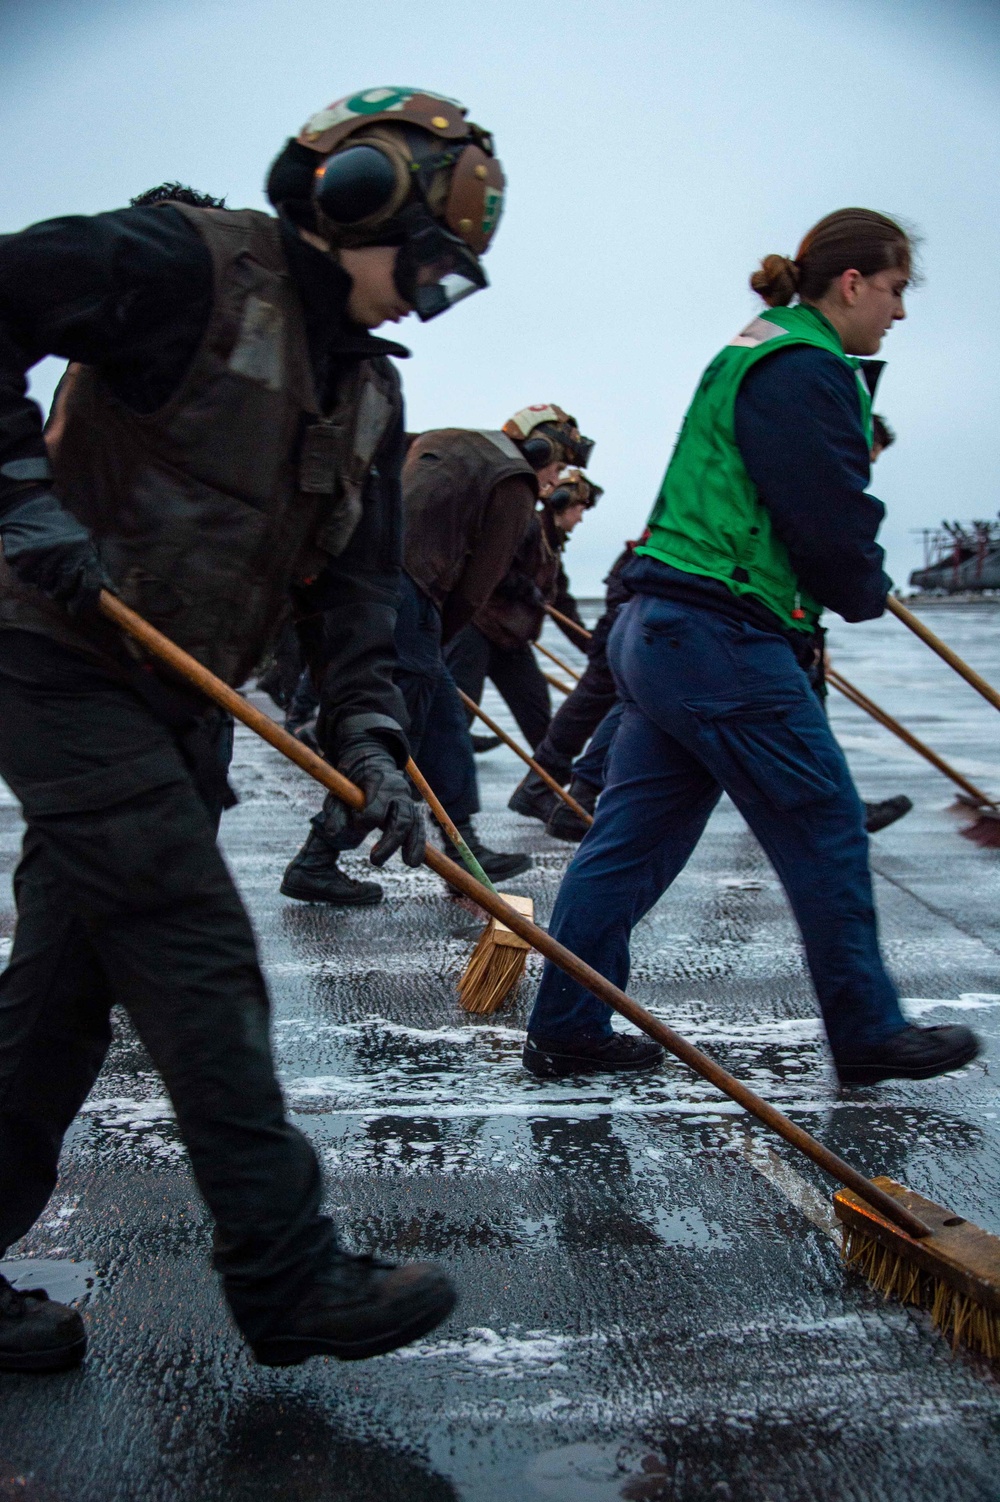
(64, 1281)
(595, 1473)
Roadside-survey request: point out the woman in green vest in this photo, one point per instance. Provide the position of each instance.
(762, 521)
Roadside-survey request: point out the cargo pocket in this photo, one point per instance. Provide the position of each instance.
(777, 749)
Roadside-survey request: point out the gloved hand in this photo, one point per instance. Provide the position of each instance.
(46, 546)
(389, 803)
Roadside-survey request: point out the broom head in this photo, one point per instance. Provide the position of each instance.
(985, 830)
(497, 963)
(954, 1273)
(985, 827)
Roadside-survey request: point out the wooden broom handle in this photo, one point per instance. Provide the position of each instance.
(563, 688)
(448, 824)
(509, 740)
(883, 718)
(565, 620)
(557, 660)
(935, 643)
(455, 875)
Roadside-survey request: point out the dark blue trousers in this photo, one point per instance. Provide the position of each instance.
(439, 725)
(710, 705)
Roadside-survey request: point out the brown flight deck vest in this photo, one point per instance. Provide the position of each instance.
(208, 509)
(512, 616)
(448, 477)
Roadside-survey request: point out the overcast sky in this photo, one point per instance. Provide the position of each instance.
(655, 151)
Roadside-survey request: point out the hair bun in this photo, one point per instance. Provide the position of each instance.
(777, 281)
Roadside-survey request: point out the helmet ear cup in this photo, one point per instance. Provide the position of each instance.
(538, 450)
(358, 188)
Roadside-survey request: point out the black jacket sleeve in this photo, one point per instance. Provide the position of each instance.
(349, 617)
(799, 432)
(128, 292)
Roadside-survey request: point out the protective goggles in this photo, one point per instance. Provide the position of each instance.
(577, 448)
(434, 269)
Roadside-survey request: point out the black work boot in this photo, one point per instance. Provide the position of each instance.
(497, 865)
(533, 798)
(564, 824)
(551, 1058)
(359, 1307)
(482, 743)
(314, 876)
(36, 1333)
(916, 1053)
(881, 815)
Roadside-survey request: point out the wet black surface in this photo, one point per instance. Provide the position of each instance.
(652, 1304)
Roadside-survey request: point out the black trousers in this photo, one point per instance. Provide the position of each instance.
(514, 671)
(123, 898)
(577, 717)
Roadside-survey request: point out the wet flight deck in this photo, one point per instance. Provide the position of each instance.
(652, 1305)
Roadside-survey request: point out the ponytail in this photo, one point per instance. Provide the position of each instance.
(777, 281)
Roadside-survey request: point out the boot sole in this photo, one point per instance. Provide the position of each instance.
(529, 810)
(572, 837)
(550, 1066)
(56, 1360)
(290, 1350)
(365, 901)
(877, 825)
(874, 1074)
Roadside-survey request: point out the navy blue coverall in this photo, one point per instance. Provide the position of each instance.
(714, 699)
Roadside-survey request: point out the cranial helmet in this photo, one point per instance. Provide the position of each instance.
(546, 434)
(574, 489)
(395, 166)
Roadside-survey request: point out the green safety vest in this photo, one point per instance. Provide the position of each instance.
(709, 518)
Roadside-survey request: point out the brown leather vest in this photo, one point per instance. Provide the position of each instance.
(448, 477)
(208, 509)
(512, 616)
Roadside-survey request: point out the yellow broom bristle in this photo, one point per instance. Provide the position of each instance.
(497, 964)
(956, 1314)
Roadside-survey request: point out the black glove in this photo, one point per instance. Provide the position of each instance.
(46, 546)
(389, 803)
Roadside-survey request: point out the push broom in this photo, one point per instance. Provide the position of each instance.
(911, 1248)
(572, 673)
(499, 958)
(565, 620)
(509, 740)
(986, 829)
(970, 796)
(563, 688)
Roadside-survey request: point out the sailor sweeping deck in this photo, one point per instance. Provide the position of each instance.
(763, 519)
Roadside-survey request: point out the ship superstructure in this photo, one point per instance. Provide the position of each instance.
(960, 557)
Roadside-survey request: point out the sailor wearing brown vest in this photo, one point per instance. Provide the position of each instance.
(496, 644)
(468, 498)
(233, 438)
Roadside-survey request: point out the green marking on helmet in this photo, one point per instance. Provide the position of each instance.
(367, 102)
(375, 101)
(492, 206)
